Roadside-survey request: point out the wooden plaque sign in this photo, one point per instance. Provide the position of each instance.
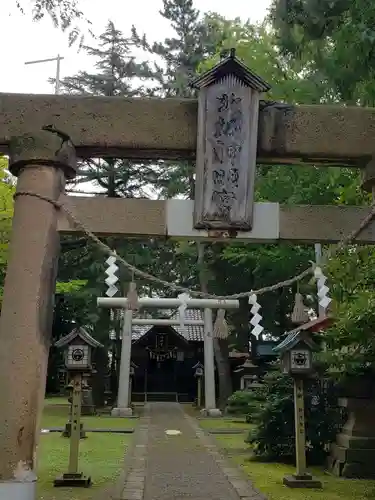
(228, 108)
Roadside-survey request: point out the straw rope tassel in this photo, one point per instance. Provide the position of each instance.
(221, 330)
(299, 314)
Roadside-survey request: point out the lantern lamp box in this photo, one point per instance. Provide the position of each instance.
(296, 353)
(228, 110)
(78, 347)
(199, 369)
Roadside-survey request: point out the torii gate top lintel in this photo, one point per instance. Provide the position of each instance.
(130, 128)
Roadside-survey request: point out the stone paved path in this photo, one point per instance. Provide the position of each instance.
(187, 466)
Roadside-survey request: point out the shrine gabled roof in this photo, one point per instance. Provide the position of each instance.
(82, 334)
(191, 333)
(231, 65)
(294, 338)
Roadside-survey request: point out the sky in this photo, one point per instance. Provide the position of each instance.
(23, 40)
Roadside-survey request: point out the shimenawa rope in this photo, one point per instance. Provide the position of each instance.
(195, 293)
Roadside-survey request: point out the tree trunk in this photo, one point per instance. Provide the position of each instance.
(221, 348)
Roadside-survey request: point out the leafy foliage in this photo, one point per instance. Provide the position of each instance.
(6, 213)
(336, 39)
(273, 437)
(351, 340)
(244, 403)
(65, 14)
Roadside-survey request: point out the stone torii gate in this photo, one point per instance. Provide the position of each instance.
(123, 409)
(43, 158)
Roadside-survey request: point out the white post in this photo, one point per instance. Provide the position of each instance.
(209, 367)
(57, 80)
(123, 409)
(58, 60)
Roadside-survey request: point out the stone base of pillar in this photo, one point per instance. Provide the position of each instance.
(18, 490)
(75, 480)
(304, 481)
(88, 407)
(213, 412)
(121, 412)
(353, 454)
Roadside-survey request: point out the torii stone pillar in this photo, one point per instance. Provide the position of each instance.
(42, 161)
(123, 408)
(209, 367)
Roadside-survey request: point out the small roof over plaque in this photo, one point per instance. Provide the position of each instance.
(80, 333)
(231, 65)
(294, 338)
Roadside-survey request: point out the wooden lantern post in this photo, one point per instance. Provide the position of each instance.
(199, 374)
(228, 109)
(296, 359)
(78, 346)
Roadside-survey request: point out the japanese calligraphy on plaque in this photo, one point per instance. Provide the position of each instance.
(228, 108)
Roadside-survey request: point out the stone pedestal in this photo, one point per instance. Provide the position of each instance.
(121, 412)
(302, 481)
(212, 412)
(353, 454)
(88, 407)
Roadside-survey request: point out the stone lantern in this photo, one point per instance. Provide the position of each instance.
(199, 374)
(228, 109)
(296, 360)
(77, 347)
(296, 354)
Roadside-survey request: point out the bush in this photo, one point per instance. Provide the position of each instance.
(244, 403)
(273, 437)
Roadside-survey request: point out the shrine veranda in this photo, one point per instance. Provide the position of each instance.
(41, 132)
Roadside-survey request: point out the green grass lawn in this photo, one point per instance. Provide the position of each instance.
(233, 442)
(101, 455)
(222, 423)
(58, 400)
(267, 477)
(56, 413)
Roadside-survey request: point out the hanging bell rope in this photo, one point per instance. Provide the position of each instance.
(132, 297)
(221, 330)
(299, 314)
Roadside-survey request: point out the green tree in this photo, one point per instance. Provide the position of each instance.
(351, 340)
(181, 55)
(65, 14)
(6, 213)
(239, 267)
(116, 69)
(335, 39)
